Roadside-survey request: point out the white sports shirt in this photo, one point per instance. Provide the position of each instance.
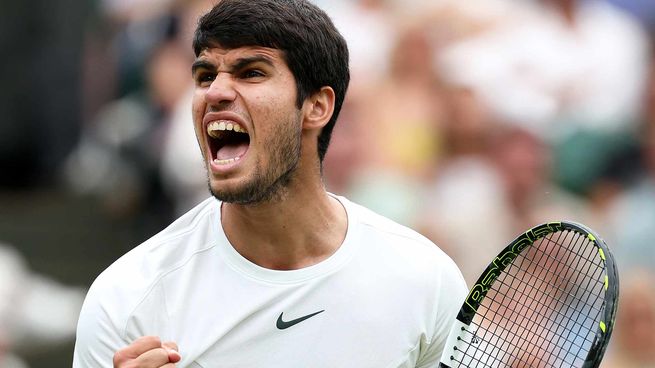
(386, 298)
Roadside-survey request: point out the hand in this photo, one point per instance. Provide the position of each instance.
(147, 352)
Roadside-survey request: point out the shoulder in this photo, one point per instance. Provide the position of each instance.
(388, 233)
(398, 246)
(183, 238)
(413, 268)
(120, 287)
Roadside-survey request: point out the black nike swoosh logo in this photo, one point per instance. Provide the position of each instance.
(282, 325)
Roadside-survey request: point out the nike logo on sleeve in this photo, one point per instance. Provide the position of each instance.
(282, 325)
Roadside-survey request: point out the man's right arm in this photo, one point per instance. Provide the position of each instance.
(98, 334)
(100, 342)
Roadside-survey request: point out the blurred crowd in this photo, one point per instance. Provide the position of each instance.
(469, 121)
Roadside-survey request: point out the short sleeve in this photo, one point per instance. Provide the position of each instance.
(451, 294)
(98, 336)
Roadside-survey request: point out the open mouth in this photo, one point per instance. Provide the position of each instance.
(228, 141)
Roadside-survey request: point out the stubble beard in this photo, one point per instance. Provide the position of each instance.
(269, 184)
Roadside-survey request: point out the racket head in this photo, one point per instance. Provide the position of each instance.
(548, 299)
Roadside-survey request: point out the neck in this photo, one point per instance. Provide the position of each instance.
(299, 228)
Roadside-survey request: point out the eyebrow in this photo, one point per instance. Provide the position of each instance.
(202, 64)
(238, 65)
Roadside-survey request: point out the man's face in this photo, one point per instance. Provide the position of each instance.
(246, 122)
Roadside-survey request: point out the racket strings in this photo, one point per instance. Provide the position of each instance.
(526, 344)
(565, 264)
(548, 304)
(591, 269)
(558, 287)
(559, 316)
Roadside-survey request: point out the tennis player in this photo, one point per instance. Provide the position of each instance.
(271, 270)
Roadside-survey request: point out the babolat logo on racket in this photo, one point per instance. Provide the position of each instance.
(479, 290)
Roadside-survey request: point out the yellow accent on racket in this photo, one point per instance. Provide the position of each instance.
(602, 326)
(602, 254)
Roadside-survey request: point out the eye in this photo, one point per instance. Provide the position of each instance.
(252, 73)
(204, 79)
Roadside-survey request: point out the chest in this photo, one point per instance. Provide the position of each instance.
(225, 320)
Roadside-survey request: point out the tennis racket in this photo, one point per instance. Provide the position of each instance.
(547, 300)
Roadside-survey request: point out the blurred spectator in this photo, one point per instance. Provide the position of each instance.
(118, 156)
(404, 111)
(602, 111)
(633, 339)
(345, 158)
(611, 52)
(479, 203)
(578, 62)
(369, 29)
(467, 192)
(138, 27)
(631, 216)
(400, 121)
(136, 146)
(120, 152)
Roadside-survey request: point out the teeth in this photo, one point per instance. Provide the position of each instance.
(215, 128)
(226, 161)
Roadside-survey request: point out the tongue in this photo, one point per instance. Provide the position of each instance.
(232, 151)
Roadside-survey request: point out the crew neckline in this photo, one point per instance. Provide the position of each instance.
(247, 268)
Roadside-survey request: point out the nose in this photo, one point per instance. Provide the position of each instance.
(221, 91)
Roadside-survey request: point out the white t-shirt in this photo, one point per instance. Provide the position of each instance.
(387, 298)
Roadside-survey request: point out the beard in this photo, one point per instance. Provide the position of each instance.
(267, 184)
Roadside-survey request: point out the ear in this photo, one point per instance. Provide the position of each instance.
(318, 109)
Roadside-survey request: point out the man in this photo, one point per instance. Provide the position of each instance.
(273, 271)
